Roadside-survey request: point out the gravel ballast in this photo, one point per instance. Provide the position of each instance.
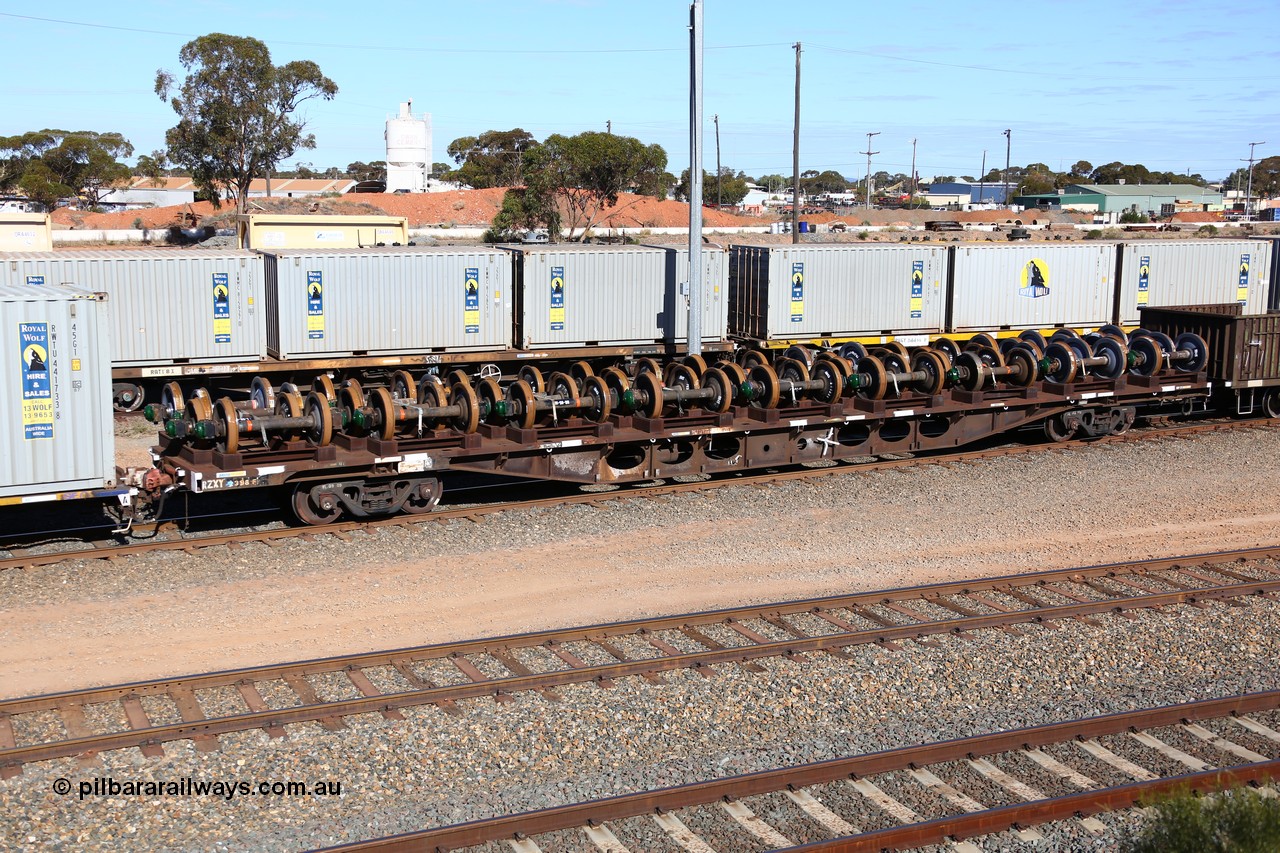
(74, 626)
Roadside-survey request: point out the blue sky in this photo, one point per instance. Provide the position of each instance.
(1171, 84)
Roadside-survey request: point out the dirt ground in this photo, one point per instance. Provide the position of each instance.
(102, 623)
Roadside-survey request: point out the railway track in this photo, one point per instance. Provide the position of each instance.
(344, 529)
(1060, 772)
(147, 715)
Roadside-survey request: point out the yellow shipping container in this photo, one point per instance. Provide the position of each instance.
(303, 231)
(25, 232)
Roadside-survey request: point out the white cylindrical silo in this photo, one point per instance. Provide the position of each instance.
(408, 151)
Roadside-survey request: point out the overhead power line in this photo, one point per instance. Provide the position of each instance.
(399, 48)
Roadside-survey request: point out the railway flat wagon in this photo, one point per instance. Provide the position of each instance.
(1031, 286)
(168, 307)
(1201, 272)
(784, 294)
(387, 301)
(587, 296)
(56, 438)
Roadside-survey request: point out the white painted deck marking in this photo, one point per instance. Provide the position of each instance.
(681, 834)
(1028, 793)
(751, 822)
(604, 839)
(1124, 765)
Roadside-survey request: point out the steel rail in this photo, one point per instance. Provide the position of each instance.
(375, 702)
(596, 812)
(477, 513)
(608, 630)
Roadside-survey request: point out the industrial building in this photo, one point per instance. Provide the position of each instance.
(1115, 199)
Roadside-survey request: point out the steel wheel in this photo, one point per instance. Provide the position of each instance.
(533, 376)
(770, 390)
(597, 395)
(309, 511)
(463, 396)
(402, 385)
(323, 386)
(651, 385)
(261, 395)
(520, 397)
(321, 430)
(382, 403)
(718, 381)
(225, 414)
(1055, 429)
(424, 497)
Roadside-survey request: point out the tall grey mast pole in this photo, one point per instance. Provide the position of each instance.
(695, 178)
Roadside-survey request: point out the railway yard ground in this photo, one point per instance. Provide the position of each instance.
(169, 614)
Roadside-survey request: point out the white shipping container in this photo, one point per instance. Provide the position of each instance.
(56, 430)
(167, 305)
(715, 294)
(838, 290)
(1032, 286)
(575, 296)
(1194, 272)
(387, 301)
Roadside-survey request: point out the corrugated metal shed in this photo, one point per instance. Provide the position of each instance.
(391, 301)
(55, 392)
(167, 305)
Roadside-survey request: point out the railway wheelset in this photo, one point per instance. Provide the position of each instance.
(444, 419)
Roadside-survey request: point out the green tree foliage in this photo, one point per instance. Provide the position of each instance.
(523, 210)
(1237, 821)
(495, 158)
(1266, 177)
(829, 181)
(773, 183)
(234, 111)
(1133, 216)
(586, 173)
(440, 171)
(49, 165)
(733, 189)
(361, 171)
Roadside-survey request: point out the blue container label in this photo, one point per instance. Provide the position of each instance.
(471, 301)
(315, 305)
(797, 293)
(557, 299)
(221, 309)
(37, 389)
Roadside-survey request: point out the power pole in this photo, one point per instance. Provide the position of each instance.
(695, 183)
(913, 172)
(1008, 144)
(869, 152)
(716, 119)
(795, 159)
(1248, 196)
(982, 179)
